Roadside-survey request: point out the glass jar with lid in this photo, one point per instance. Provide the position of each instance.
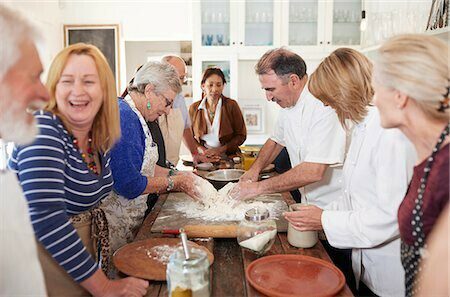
(257, 231)
(188, 277)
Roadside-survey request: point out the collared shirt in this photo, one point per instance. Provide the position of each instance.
(180, 103)
(376, 174)
(20, 269)
(311, 132)
(212, 137)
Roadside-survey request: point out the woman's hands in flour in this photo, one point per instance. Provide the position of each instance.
(186, 182)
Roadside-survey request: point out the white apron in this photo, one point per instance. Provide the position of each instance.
(125, 216)
(172, 128)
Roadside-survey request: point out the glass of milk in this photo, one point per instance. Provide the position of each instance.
(300, 239)
(257, 231)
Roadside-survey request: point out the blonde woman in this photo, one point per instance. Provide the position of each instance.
(65, 173)
(376, 173)
(411, 81)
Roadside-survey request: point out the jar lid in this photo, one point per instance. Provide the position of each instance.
(257, 214)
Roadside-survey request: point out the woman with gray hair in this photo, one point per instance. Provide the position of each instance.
(134, 157)
(412, 83)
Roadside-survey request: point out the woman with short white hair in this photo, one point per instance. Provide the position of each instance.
(411, 82)
(134, 157)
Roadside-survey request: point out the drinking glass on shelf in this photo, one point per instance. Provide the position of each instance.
(219, 17)
(206, 17)
(219, 39)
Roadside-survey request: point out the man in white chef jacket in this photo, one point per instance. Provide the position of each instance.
(309, 130)
(20, 88)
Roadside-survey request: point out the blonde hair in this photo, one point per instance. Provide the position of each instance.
(106, 126)
(343, 81)
(417, 65)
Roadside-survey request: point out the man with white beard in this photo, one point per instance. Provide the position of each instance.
(20, 89)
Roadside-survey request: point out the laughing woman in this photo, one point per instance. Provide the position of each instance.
(65, 173)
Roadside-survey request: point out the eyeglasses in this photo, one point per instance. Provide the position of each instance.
(168, 102)
(183, 79)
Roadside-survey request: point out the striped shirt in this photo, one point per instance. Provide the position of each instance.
(58, 184)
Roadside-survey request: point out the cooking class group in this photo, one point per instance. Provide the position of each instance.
(347, 197)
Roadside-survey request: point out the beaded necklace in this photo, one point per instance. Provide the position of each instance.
(412, 255)
(90, 161)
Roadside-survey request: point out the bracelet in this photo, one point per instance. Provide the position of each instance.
(170, 184)
(172, 171)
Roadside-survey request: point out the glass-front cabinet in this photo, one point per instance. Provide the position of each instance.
(259, 25)
(304, 22)
(320, 25)
(236, 25)
(346, 22)
(215, 23)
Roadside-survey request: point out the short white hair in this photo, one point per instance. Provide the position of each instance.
(14, 29)
(162, 76)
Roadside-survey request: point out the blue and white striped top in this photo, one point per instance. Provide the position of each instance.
(58, 184)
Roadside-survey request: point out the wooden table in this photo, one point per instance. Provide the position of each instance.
(230, 260)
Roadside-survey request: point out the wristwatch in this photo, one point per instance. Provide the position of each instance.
(170, 184)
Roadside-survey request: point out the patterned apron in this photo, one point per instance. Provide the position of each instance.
(125, 216)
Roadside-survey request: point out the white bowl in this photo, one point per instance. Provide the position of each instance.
(205, 166)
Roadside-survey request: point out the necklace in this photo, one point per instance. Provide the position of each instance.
(412, 255)
(89, 158)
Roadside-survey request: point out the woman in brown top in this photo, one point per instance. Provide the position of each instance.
(217, 122)
(411, 82)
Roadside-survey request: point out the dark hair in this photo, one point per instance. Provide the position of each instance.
(283, 62)
(211, 71)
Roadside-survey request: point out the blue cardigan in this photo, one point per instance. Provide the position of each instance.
(128, 154)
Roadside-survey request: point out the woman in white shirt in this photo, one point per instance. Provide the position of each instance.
(217, 122)
(376, 174)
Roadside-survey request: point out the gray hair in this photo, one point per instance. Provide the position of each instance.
(14, 29)
(162, 76)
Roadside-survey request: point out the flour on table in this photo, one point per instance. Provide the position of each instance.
(218, 206)
(161, 253)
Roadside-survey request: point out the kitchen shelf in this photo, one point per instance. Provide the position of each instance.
(442, 33)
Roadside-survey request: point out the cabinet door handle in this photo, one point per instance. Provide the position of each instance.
(241, 43)
(328, 42)
(233, 43)
(321, 42)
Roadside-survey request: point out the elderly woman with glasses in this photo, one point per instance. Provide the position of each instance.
(134, 158)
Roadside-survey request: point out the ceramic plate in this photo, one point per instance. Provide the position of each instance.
(205, 166)
(294, 276)
(146, 259)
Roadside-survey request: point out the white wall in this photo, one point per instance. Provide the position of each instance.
(46, 17)
(151, 20)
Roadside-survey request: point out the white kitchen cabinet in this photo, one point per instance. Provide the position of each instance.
(317, 27)
(247, 28)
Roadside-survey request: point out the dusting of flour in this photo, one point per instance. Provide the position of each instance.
(218, 206)
(161, 253)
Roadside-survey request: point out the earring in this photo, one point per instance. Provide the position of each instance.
(149, 105)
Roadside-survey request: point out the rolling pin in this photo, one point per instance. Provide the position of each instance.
(215, 231)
